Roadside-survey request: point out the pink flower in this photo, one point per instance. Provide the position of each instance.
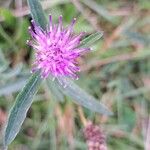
(95, 138)
(56, 49)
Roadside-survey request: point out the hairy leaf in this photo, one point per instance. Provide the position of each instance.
(25, 97)
(54, 89)
(20, 108)
(81, 97)
(91, 39)
(37, 13)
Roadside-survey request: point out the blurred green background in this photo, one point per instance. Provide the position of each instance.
(117, 72)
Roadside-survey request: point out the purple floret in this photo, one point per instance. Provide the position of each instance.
(56, 49)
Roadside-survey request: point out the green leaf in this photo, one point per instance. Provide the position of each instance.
(20, 108)
(81, 97)
(54, 89)
(25, 97)
(91, 39)
(37, 13)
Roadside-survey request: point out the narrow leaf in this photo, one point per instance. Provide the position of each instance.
(54, 89)
(25, 97)
(37, 13)
(20, 108)
(81, 97)
(91, 39)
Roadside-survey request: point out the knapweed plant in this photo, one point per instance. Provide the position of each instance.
(56, 51)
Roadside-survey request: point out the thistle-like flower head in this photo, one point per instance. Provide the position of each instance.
(56, 49)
